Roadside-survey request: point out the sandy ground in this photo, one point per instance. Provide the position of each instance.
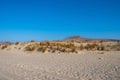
(38, 66)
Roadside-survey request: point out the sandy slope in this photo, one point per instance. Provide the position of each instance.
(36, 66)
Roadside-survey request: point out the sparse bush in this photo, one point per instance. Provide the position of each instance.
(4, 46)
(64, 50)
(88, 47)
(39, 49)
(116, 47)
(17, 43)
(81, 47)
(74, 50)
(103, 48)
(42, 49)
(71, 45)
(30, 48)
(51, 47)
(48, 43)
(64, 47)
(93, 46)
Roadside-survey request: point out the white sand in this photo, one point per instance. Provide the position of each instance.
(38, 66)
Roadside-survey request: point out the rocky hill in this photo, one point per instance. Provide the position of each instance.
(82, 39)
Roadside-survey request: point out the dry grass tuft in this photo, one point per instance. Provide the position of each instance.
(74, 50)
(4, 46)
(17, 43)
(81, 47)
(42, 49)
(30, 48)
(69, 47)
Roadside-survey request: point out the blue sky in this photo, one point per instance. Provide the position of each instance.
(24, 20)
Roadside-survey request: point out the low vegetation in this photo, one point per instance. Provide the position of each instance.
(95, 46)
(4, 46)
(17, 43)
(69, 47)
(52, 47)
(64, 47)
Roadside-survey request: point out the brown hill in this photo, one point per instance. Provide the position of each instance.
(74, 38)
(81, 39)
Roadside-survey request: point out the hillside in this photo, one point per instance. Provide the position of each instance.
(82, 39)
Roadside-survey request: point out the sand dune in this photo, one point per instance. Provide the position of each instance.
(60, 61)
(44, 66)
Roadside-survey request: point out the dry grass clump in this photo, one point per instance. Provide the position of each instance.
(68, 47)
(95, 46)
(30, 48)
(116, 47)
(17, 43)
(64, 47)
(4, 46)
(63, 50)
(101, 48)
(42, 49)
(74, 50)
(81, 47)
(60, 47)
(46, 43)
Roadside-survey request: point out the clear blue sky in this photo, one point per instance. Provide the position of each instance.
(23, 20)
